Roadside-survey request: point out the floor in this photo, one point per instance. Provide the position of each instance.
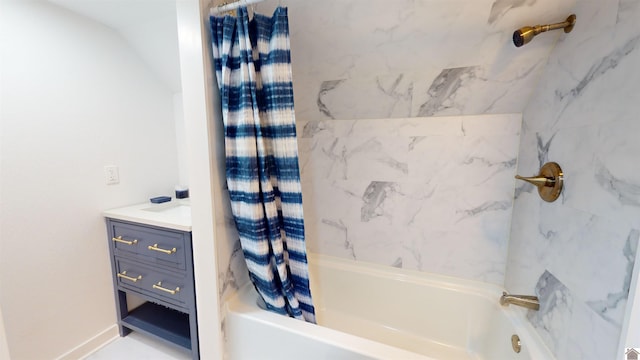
(138, 347)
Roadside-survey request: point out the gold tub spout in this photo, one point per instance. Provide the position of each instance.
(526, 301)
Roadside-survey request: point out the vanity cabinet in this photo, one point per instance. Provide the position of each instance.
(155, 264)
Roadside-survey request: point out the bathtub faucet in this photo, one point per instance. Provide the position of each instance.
(526, 301)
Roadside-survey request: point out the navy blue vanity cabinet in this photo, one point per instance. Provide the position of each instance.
(155, 264)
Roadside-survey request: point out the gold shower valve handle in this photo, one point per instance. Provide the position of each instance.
(549, 181)
(537, 181)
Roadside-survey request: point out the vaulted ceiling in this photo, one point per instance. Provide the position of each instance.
(150, 27)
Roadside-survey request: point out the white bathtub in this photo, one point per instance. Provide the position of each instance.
(367, 311)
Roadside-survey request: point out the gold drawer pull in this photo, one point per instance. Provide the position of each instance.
(155, 247)
(159, 287)
(128, 242)
(124, 275)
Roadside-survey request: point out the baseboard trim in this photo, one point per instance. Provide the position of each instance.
(92, 345)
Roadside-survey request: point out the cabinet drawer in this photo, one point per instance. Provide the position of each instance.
(149, 244)
(171, 287)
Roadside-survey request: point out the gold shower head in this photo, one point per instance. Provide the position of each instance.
(524, 35)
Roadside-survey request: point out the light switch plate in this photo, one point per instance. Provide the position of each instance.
(111, 175)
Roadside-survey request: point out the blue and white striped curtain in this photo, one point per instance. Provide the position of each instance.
(253, 69)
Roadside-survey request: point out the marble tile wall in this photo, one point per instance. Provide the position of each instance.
(374, 190)
(578, 254)
(232, 269)
(373, 59)
(432, 194)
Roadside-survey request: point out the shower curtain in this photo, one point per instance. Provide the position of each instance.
(253, 69)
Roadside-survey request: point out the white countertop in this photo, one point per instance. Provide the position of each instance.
(175, 214)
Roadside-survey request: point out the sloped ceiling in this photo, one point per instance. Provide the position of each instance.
(150, 27)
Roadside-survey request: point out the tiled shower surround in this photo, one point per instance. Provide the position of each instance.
(374, 59)
(431, 194)
(409, 115)
(578, 253)
(402, 128)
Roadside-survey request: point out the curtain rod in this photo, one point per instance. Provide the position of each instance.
(226, 6)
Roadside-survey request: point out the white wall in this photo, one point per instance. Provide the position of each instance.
(75, 98)
(148, 26)
(181, 139)
(4, 347)
(201, 116)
